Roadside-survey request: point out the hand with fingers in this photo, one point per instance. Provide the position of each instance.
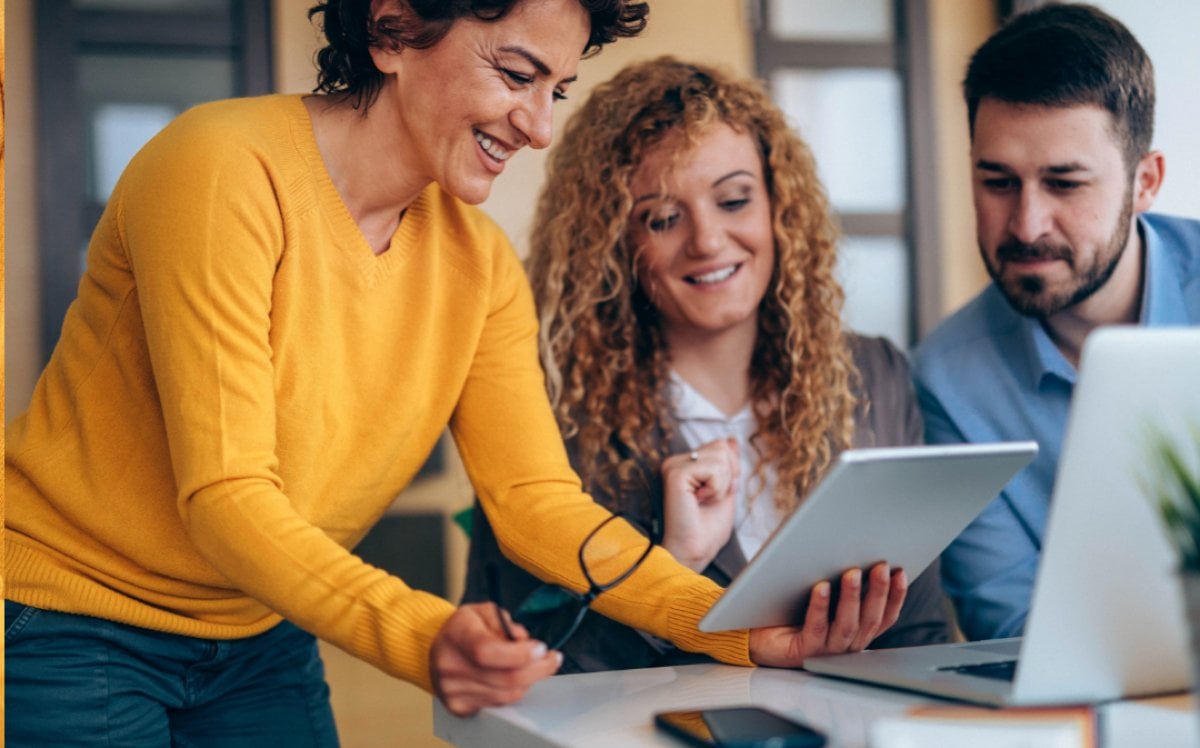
(699, 490)
(856, 621)
(474, 664)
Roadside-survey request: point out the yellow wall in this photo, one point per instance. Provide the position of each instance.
(21, 354)
(957, 28)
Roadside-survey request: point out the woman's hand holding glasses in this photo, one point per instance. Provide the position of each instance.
(699, 492)
(475, 664)
(858, 618)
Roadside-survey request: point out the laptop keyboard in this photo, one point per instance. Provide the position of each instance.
(1003, 670)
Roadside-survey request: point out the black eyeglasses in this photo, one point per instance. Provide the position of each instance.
(552, 613)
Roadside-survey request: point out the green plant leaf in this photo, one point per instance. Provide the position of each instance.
(1175, 489)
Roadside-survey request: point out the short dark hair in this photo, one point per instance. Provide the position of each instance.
(1067, 55)
(344, 65)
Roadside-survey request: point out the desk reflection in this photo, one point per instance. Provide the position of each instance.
(617, 708)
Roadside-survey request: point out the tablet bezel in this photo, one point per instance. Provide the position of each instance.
(902, 505)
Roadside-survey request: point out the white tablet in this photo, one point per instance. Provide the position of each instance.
(902, 505)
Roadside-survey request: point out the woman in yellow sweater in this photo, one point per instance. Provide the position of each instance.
(286, 302)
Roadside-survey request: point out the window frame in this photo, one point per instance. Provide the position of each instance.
(66, 215)
(907, 53)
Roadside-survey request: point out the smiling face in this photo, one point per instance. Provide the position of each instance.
(483, 92)
(703, 236)
(1054, 202)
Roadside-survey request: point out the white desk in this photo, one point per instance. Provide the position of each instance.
(616, 709)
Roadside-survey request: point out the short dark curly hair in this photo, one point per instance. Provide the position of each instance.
(344, 65)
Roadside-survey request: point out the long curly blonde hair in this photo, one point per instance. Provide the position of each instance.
(605, 358)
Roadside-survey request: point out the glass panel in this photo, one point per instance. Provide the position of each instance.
(127, 99)
(852, 119)
(118, 132)
(156, 6)
(873, 271)
(173, 79)
(832, 20)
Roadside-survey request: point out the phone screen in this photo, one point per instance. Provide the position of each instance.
(739, 727)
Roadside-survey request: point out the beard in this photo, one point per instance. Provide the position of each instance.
(1029, 293)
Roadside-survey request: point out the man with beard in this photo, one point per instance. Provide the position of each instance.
(1061, 109)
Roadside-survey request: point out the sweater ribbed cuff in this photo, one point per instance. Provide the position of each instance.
(406, 647)
(730, 647)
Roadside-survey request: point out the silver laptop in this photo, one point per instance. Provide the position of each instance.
(902, 505)
(1107, 618)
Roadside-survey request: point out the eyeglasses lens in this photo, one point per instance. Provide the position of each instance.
(607, 557)
(551, 614)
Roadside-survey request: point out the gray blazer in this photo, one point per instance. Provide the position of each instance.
(888, 416)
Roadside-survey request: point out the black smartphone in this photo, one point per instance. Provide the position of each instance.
(738, 727)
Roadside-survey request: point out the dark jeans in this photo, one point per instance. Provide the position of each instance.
(76, 680)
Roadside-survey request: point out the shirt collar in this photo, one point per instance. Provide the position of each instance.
(1047, 360)
(1162, 294)
(689, 405)
(1162, 304)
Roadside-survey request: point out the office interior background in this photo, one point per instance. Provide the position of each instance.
(872, 85)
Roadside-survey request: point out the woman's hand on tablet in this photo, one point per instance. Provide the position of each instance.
(856, 621)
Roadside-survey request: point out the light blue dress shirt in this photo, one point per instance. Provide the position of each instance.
(987, 373)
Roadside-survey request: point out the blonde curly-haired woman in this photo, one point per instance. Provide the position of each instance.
(682, 262)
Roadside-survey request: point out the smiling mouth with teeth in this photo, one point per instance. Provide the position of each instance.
(715, 276)
(491, 147)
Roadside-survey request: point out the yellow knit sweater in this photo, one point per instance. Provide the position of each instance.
(242, 388)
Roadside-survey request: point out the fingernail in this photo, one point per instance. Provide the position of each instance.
(558, 658)
(538, 651)
(823, 589)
